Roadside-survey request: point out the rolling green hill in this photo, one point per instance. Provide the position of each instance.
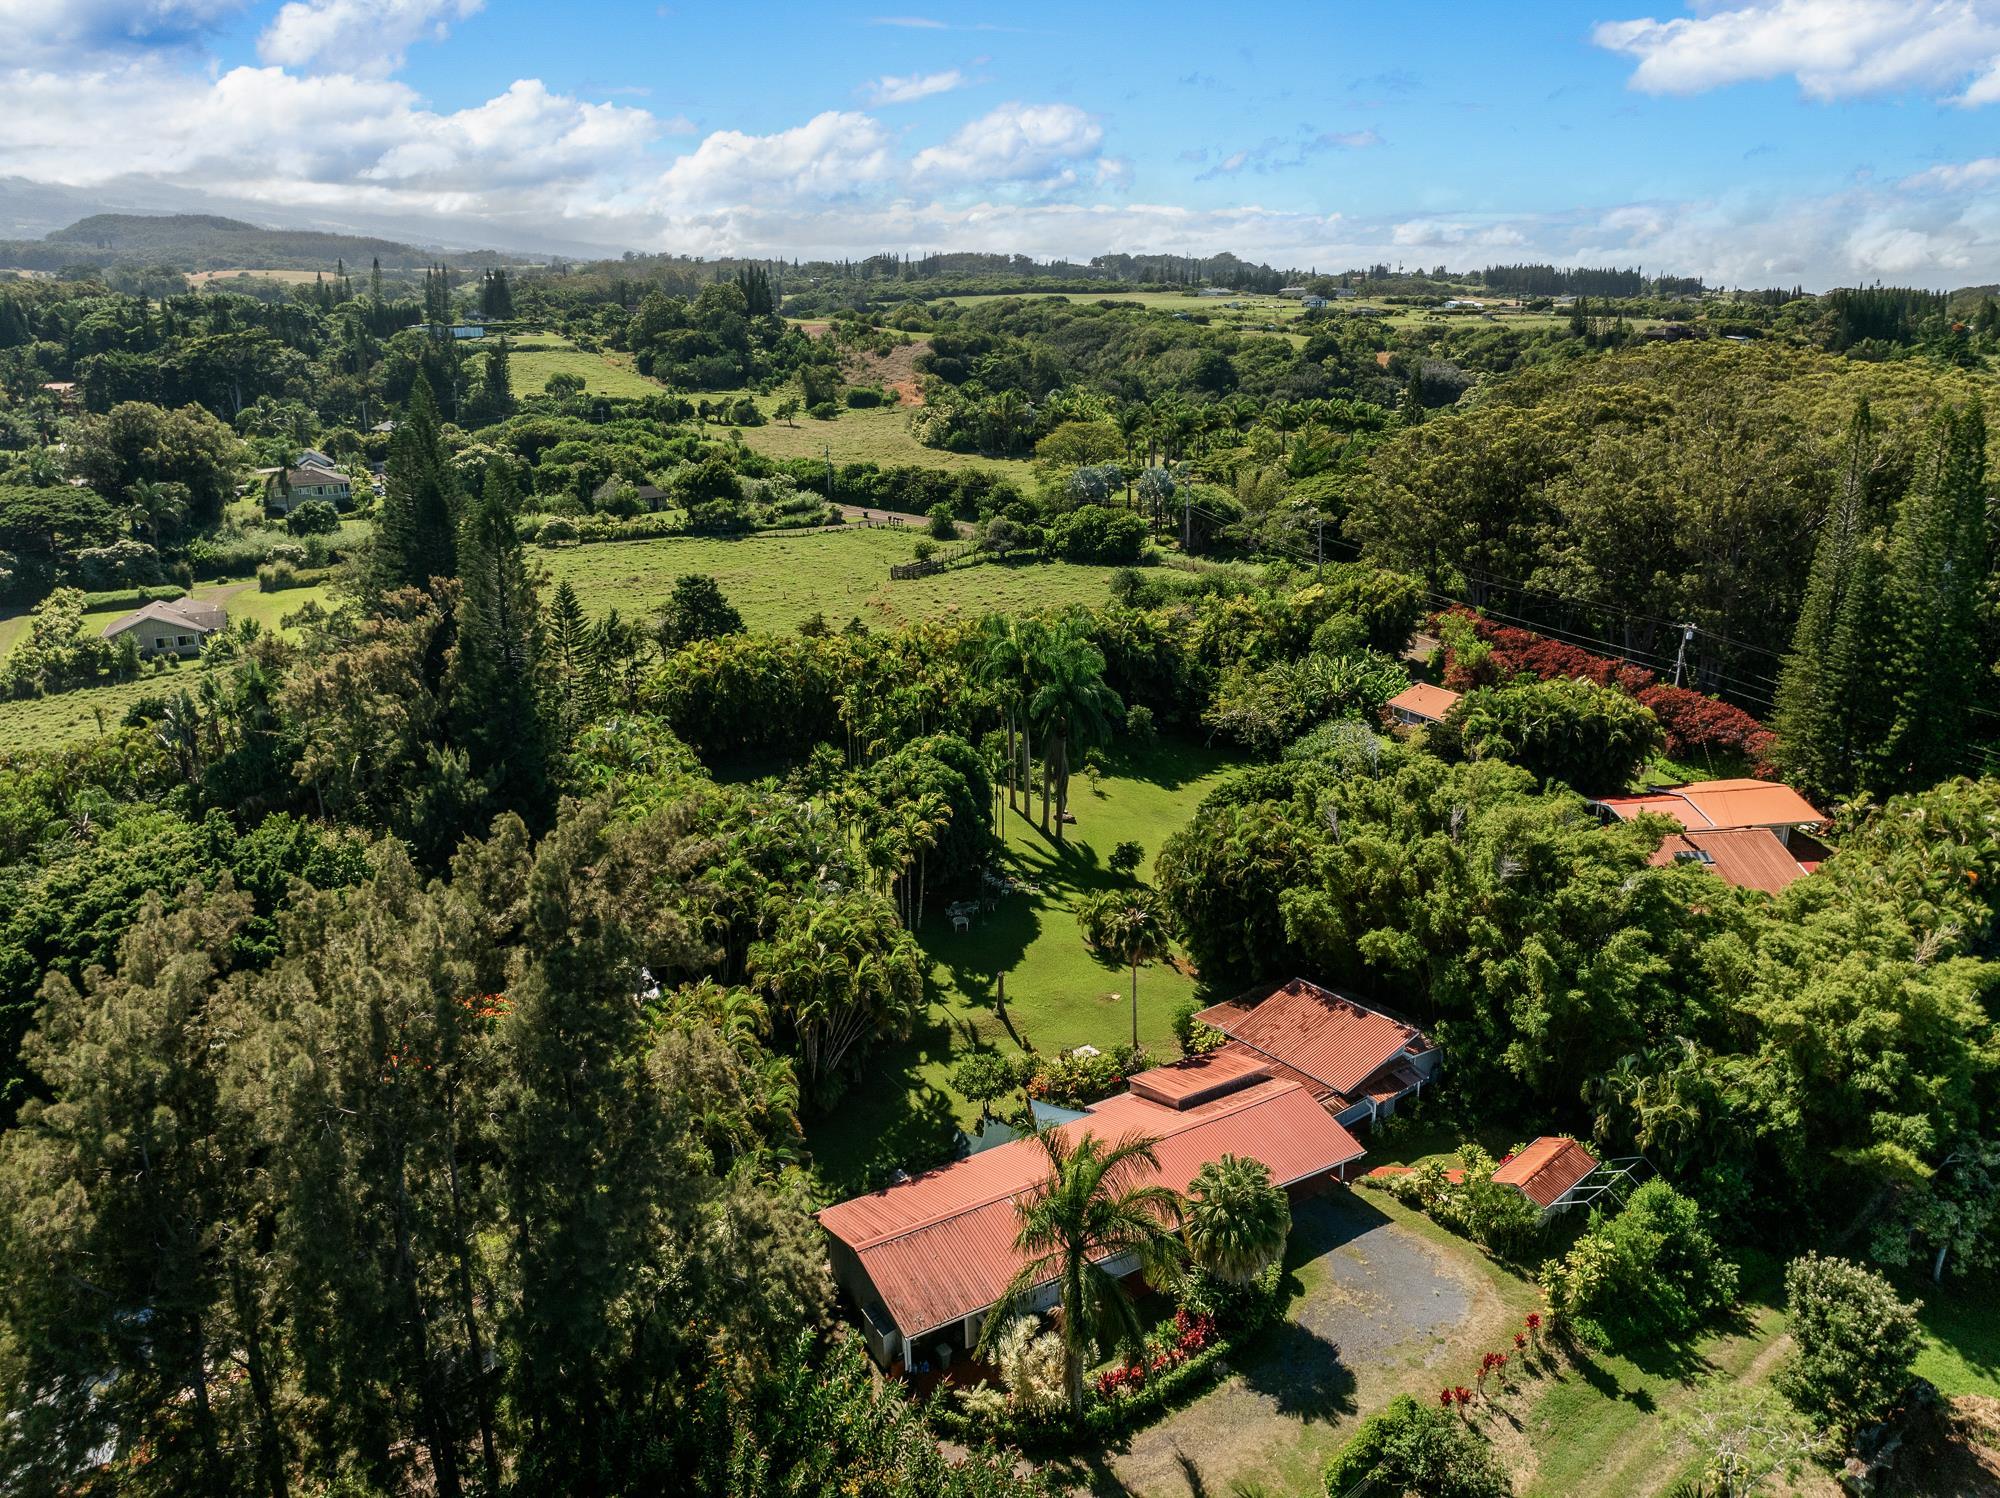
(204, 241)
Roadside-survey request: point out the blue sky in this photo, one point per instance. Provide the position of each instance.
(1824, 141)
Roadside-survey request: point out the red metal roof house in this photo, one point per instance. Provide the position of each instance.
(1356, 1061)
(926, 1258)
(1421, 702)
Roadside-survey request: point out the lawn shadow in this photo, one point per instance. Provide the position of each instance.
(1169, 762)
(1680, 1358)
(1605, 1382)
(1300, 1371)
(890, 1120)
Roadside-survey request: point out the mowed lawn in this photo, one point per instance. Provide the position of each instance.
(545, 354)
(873, 434)
(901, 1110)
(46, 722)
(778, 580)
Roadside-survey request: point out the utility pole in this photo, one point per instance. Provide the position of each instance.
(1680, 656)
(1319, 547)
(1187, 527)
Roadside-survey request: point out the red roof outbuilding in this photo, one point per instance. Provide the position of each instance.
(1546, 1169)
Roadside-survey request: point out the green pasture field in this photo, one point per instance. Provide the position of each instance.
(46, 722)
(777, 580)
(547, 354)
(49, 722)
(873, 434)
(902, 1110)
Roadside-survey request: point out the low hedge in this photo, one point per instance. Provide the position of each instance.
(132, 598)
(1125, 1411)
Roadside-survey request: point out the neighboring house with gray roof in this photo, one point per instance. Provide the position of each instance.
(294, 486)
(180, 627)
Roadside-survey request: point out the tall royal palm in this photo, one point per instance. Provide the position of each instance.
(1130, 926)
(1009, 648)
(1095, 1207)
(1072, 708)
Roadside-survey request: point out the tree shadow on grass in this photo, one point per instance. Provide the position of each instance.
(1680, 1358)
(1300, 1371)
(1605, 1382)
(1169, 762)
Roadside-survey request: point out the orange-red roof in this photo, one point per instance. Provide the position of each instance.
(1747, 857)
(1546, 1169)
(1720, 805)
(1183, 1083)
(1326, 1038)
(941, 1246)
(1422, 700)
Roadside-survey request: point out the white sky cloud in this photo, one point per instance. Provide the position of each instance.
(832, 155)
(535, 166)
(368, 37)
(1834, 48)
(890, 89)
(1014, 143)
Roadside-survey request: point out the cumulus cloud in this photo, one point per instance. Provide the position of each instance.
(890, 89)
(1014, 143)
(832, 155)
(357, 36)
(1834, 48)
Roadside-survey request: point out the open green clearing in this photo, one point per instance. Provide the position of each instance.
(541, 355)
(1058, 995)
(872, 434)
(777, 579)
(46, 722)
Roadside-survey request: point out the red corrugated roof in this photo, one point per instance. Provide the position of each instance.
(1546, 1169)
(1324, 1036)
(941, 1246)
(1720, 805)
(1197, 1077)
(1748, 857)
(1422, 700)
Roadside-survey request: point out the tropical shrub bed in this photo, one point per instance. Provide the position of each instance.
(1480, 653)
(1179, 1359)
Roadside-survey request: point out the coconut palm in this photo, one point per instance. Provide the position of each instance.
(1093, 1208)
(1130, 925)
(1236, 1220)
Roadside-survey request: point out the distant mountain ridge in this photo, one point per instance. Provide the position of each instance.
(207, 241)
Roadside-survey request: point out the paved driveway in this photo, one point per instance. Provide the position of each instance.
(1377, 1303)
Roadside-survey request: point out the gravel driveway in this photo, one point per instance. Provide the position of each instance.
(1377, 1301)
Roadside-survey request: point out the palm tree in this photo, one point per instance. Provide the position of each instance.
(1133, 926)
(1093, 1208)
(1236, 1220)
(1073, 708)
(1008, 650)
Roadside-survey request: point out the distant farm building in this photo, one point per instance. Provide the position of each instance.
(295, 486)
(1310, 301)
(177, 628)
(1721, 806)
(1756, 834)
(1547, 1171)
